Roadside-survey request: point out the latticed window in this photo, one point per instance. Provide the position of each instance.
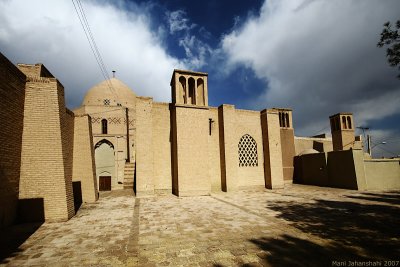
(106, 102)
(247, 151)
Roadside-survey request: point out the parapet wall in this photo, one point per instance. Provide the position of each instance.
(382, 174)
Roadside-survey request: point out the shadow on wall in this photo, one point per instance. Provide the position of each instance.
(77, 192)
(347, 230)
(30, 217)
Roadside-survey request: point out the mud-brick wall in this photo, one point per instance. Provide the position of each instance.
(84, 169)
(162, 148)
(144, 147)
(248, 123)
(46, 167)
(214, 151)
(12, 94)
(191, 130)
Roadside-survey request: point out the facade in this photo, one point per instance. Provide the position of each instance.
(52, 159)
(185, 147)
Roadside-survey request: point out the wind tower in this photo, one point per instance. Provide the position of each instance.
(342, 129)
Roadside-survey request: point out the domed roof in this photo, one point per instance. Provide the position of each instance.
(102, 94)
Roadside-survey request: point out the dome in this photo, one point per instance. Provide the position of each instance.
(101, 94)
(308, 151)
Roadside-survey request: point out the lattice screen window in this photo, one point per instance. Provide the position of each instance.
(106, 102)
(247, 152)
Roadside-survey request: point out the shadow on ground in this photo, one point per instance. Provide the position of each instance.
(14, 236)
(348, 230)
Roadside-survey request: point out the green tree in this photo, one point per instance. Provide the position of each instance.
(391, 38)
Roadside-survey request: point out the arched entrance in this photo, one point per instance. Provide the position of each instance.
(105, 164)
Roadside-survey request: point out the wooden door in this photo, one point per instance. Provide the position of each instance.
(105, 183)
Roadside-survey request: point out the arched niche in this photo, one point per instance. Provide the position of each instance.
(349, 122)
(287, 120)
(200, 92)
(344, 124)
(191, 93)
(182, 90)
(104, 126)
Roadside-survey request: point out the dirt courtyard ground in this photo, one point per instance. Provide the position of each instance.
(297, 226)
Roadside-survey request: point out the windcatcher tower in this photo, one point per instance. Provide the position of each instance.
(189, 87)
(190, 130)
(287, 143)
(342, 129)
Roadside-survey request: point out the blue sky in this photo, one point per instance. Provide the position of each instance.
(318, 57)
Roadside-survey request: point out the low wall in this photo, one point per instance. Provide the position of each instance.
(382, 174)
(311, 169)
(347, 169)
(341, 170)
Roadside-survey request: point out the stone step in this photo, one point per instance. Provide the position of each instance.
(129, 172)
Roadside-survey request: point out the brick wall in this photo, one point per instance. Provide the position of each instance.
(288, 153)
(46, 149)
(228, 148)
(248, 122)
(191, 130)
(67, 135)
(272, 149)
(214, 151)
(144, 147)
(162, 147)
(84, 169)
(12, 94)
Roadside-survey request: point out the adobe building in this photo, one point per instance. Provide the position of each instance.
(52, 159)
(185, 147)
(343, 164)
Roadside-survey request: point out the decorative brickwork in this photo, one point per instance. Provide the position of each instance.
(131, 122)
(96, 119)
(113, 120)
(248, 156)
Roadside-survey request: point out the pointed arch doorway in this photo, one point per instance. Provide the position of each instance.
(105, 164)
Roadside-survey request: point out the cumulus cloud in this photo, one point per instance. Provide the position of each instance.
(319, 58)
(50, 33)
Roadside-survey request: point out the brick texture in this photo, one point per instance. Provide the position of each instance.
(46, 169)
(84, 169)
(144, 147)
(12, 94)
(191, 130)
(162, 148)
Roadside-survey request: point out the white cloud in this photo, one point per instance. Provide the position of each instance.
(319, 58)
(50, 33)
(197, 52)
(178, 21)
